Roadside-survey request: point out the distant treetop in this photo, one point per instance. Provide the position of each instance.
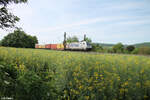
(72, 39)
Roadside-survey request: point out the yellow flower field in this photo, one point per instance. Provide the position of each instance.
(85, 76)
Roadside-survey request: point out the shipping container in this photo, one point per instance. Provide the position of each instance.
(48, 46)
(41, 46)
(60, 46)
(36, 46)
(53, 46)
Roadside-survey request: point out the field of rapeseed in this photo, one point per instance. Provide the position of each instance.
(31, 74)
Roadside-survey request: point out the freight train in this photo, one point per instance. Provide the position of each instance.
(83, 45)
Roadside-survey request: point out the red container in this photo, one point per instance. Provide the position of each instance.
(48, 46)
(36, 46)
(53, 46)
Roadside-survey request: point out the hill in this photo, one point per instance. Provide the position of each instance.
(106, 44)
(147, 44)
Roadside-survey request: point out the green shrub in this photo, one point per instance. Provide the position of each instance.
(135, 51)
(130, 48)
(97, 48)
(20, 83)
(8, 77)
(118, 48)
(144, 50)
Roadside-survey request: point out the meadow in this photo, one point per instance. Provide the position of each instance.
(33, 74)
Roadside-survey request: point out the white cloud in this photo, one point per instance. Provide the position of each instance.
(82, 23)
(104, 21)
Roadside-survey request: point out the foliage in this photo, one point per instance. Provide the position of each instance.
(135, 51)
(72, 39)
(76, 76)
(96, 47)
(8, 76)
(141, 51)
(88, 40)
(0, 43)
(118, 48)
(144, 50)
(19, 39)
(7, 19)
(130, 48)
(20, 83)
(109, 50)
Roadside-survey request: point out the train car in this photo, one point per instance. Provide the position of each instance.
(53, 46)
(48, 46)
(36, 46)
(83, 45)
(60, 47)
(41, 46)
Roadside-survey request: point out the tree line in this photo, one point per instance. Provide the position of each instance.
(19, 39)
(119, 48)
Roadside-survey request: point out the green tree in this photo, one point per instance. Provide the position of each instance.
(118, 48)
(72, 39)
(7, 19)
(96, 47)
(130, 48)
(135, 51)
(0, 43)
(19, 39)
(88, 40)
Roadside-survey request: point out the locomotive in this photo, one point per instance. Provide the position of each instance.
(83, 45)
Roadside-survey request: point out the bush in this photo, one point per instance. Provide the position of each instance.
(20, 83)
(118, 48)
(0, 43)
(96, 47)
(8, 76)
(109, 50)
(130, 48)
(135, 51)
(144, 50)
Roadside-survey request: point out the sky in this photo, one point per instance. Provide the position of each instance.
(104, 21)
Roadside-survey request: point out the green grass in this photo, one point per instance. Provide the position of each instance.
(81, 76)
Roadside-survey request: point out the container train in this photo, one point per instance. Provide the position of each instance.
(83, 45)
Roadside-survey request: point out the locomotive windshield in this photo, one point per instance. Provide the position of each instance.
(88, 44)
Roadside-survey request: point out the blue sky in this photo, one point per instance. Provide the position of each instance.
(105, 21)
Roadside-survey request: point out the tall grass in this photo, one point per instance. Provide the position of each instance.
(80, 76)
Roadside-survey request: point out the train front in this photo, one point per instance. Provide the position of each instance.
(88, 46)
